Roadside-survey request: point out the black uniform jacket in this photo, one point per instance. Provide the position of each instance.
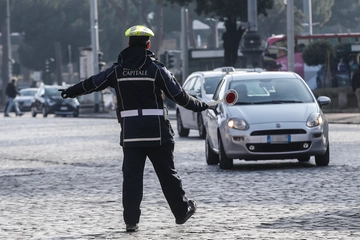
(139, 81)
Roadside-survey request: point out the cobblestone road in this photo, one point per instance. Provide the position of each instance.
(60, 178)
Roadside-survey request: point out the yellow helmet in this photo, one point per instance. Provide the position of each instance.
(138, 31)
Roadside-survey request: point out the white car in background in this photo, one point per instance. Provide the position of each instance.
(201, 85)
(25, 99)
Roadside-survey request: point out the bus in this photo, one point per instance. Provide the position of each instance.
(275, 57)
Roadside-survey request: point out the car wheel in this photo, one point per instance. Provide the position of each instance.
(44, 113)
(211, 157)
(33, 112)
(323, 160)
(183, 132)
(225, 162)
(201, 126)
(304, 159)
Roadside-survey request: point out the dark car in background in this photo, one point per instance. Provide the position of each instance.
(48, 100)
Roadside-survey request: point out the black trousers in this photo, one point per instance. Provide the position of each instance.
(162, 159)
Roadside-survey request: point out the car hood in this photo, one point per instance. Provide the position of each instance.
(256, 114)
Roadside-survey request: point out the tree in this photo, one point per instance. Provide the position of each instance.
(344, 15)
(320, 53)
(230, 12)
(276, 21)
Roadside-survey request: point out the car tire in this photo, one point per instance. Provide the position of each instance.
(44, 113)
(211, 157)
(33, 112)
(183, 132)
(323, 160)
(225, 162)
(304, 159)
(201, 126)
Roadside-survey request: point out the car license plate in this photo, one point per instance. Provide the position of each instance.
(63, 108)
(279, 138)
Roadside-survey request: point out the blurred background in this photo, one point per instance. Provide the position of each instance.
(49, 41)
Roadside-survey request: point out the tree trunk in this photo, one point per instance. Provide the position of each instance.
(231, 39)
(5, 60)
(327, 71)
(58, 63)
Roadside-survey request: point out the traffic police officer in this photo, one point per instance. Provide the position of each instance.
(139, 81)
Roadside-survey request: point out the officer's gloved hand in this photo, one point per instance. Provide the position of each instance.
(203, 106)
(64, 94)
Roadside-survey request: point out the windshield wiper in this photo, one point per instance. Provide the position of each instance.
(278, 102)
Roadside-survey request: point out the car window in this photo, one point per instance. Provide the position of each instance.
(272, 91)
(189, 84)
(28, 92)
(210, 84)
(52, 91)
(220, 90)
(197, 85)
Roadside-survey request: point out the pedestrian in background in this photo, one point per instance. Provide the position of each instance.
(11, 92)
(140, 82)
(355, 82)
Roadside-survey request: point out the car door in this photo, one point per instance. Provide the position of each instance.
(195, 92)
(187, 115)
(213, 115)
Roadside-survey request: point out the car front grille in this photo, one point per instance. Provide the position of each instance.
(284, 147)
(278, 132)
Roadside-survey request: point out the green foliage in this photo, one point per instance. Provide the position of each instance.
(322, 11)
(276, 22)
(317, 53)
(44, 22)
(345, 14)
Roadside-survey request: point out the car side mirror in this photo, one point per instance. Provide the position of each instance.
(323, 100)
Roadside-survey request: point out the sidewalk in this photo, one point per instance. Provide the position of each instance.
(333, 118)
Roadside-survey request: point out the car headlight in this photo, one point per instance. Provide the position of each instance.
(237, 123)
(315, 119)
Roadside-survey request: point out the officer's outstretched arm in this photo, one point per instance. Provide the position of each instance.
(176, 93)
(95, 83)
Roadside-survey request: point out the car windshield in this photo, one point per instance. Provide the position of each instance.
(52, 91)
(28, 92)
(271, 91)
(211, 83)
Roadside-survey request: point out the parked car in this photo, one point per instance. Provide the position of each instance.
(276, 116)
(201, 85)
(48, 100)
(26, 98)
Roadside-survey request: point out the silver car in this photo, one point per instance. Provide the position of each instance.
(201, 85)
(275, 116)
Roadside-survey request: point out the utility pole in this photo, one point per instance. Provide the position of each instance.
(184, 44)
(290, 33)
(308, 25)
(95, 46)
(8, 42)
(252, 45)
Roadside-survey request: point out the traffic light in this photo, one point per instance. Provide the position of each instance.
(170, 60)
